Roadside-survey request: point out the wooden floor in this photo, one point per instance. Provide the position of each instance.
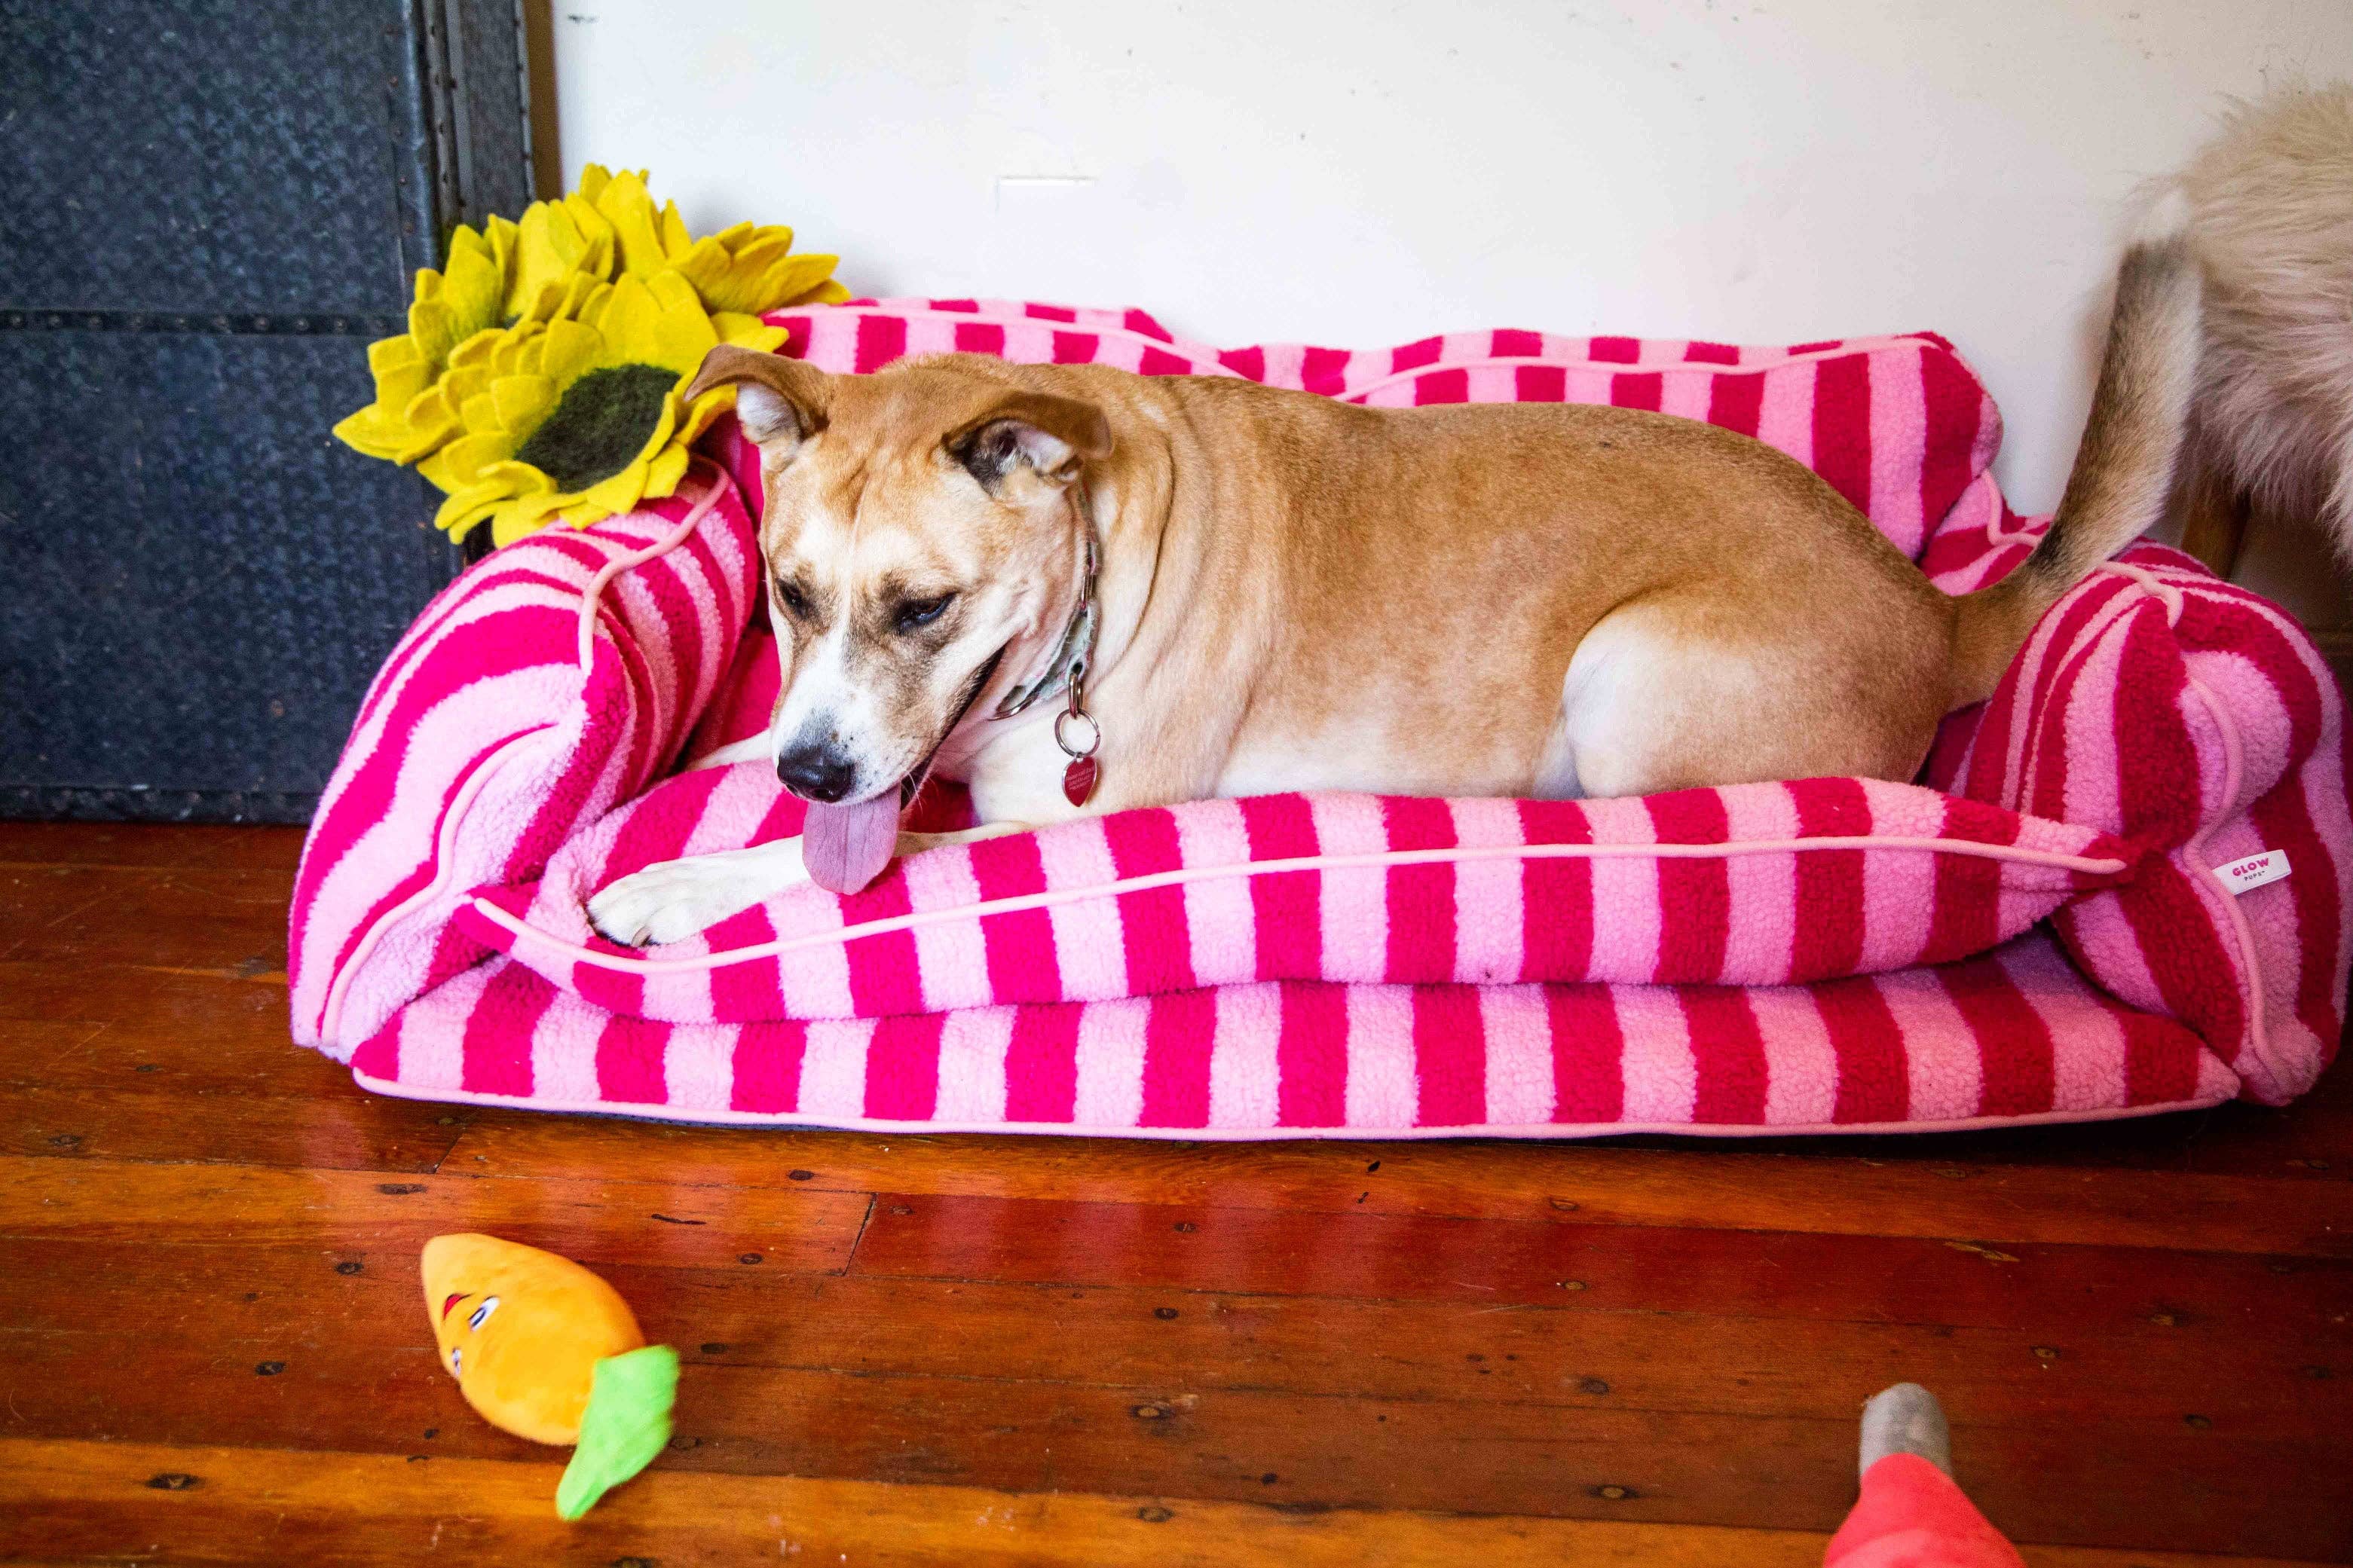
(970, 1350)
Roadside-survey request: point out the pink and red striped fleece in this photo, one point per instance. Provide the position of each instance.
(1755, 885)
(1344, 964)
(2015, 1034)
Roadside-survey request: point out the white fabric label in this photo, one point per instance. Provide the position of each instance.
(2255, 871)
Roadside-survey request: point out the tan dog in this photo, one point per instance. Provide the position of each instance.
(1299, 594)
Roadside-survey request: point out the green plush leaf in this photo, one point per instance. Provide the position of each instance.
(625, 1426)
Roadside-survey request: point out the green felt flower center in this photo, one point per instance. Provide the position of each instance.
(601, 425)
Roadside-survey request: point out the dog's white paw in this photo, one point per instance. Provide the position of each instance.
(666, 903)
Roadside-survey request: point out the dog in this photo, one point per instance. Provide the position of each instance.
(2268, 215)
(1080, 590)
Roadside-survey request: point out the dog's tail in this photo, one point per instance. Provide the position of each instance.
(2124, 469)
(2229, 363)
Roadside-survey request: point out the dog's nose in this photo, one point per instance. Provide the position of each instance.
(817, 773)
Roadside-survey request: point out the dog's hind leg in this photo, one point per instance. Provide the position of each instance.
(1666, 695)
(1626, 706)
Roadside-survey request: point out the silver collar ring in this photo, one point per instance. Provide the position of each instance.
(1061, 737)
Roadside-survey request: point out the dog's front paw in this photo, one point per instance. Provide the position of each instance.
(663, 903)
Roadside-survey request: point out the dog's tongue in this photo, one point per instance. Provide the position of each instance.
(847, 846)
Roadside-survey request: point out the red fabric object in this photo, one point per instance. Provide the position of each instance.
(1911, 1515)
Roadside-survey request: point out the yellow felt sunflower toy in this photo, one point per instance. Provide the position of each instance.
(544, 267)
(582, 419)
(539, 375)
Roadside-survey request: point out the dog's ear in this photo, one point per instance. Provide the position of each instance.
(781, 402)
(1052, 437)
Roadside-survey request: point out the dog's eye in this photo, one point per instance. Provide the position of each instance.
(794, 599)
(917, 613)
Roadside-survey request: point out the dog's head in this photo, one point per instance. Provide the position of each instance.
(919, 537)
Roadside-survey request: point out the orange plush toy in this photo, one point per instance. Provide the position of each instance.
(545, 1350)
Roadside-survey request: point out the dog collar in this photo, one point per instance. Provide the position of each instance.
(1074, 656)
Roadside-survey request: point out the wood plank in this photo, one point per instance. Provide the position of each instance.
(196, 917)
(349, 1132)
(1502, 1263)
(1584, 1185)
(35, 898)
(2085, 1482)
(1490, 1263)
(134, 1205)
(380, 1389)
(234, 1292)
(149, 843)
(188, 1031)
(246, 998)
(83, 1500)
(30, 1050)
(269, 1302)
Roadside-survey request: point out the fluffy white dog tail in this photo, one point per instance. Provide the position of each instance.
(2267, 211)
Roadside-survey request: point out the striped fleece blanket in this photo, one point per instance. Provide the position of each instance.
(2118, 887)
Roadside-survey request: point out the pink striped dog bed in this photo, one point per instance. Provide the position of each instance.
(2078, 911)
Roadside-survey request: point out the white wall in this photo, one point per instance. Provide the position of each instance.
(1365, 174)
